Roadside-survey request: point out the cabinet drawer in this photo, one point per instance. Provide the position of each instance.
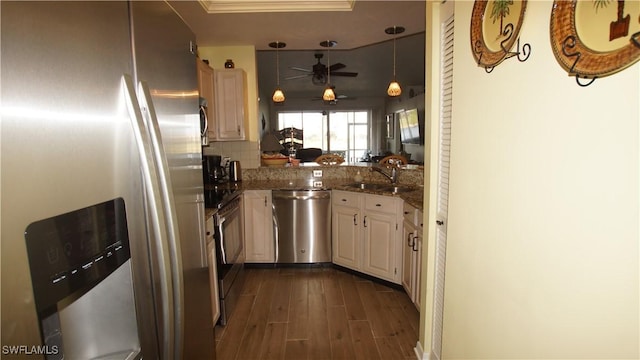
(345, 198)
(410, 213)
(386, 204)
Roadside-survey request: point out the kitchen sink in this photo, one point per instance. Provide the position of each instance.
(369, 186)
(399, 189)
(388, 188)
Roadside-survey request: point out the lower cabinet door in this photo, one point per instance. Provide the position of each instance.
(417, 270)
(213, 271)
(346, 236)
(380, 245)
(258, 228)
(408, 233)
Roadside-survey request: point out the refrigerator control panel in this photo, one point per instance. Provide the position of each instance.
(74, 251)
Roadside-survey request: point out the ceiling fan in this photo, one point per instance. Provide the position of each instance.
(318, 72)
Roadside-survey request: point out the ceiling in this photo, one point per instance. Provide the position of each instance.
(362, 44)
(364, 25)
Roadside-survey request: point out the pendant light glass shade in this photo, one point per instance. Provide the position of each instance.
(278, 94)
(328, 94)
(394, 88)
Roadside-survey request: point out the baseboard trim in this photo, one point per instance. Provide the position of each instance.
(421, 355)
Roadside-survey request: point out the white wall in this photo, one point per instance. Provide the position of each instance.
(543, 233)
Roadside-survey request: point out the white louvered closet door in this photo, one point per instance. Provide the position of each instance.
(446, 92)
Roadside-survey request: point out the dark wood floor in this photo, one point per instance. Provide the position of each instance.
(318, 313)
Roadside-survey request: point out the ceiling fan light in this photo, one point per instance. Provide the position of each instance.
(394, 89)
(328, 94)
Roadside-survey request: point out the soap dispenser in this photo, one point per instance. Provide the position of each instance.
(358, 177)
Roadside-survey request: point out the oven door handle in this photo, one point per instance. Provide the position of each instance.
(220, 224)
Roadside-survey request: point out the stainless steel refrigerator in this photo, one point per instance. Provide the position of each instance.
(99, 106)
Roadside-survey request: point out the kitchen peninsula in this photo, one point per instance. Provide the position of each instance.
(362, 224)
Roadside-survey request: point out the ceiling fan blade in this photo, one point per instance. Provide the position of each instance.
(300, 69)
(344, 73)
(337, 66)
(297, 76)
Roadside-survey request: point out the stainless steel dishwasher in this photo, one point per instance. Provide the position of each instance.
(302, 225)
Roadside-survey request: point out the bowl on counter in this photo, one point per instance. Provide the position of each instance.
(275, 162)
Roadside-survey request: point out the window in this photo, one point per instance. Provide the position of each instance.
(342, 132)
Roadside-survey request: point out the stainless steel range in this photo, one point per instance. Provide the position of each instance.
(229, 241)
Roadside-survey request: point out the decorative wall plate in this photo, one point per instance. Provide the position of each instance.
(495, 28)
(595, 38)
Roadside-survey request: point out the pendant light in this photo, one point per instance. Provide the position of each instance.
(328, 94)
(278, 95)
(394, 87)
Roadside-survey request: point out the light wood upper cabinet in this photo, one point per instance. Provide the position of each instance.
(230, 104)
(205, 86)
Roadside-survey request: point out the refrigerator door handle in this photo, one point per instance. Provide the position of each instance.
(154, 204)
(175, 256)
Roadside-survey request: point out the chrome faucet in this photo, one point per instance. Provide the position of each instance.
(393, 177)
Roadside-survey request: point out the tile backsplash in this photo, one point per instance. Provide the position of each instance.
(247, 152)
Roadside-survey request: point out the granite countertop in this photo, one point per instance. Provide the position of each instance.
(414, 198)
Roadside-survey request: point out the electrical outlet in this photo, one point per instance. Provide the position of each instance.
(317, 173)
(317, 184)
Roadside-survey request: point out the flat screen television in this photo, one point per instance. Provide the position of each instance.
(411, 123)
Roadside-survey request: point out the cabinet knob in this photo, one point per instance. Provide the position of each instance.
(439, 222)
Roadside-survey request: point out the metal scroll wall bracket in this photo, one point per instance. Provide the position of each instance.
(567, 45)
(522, 54)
